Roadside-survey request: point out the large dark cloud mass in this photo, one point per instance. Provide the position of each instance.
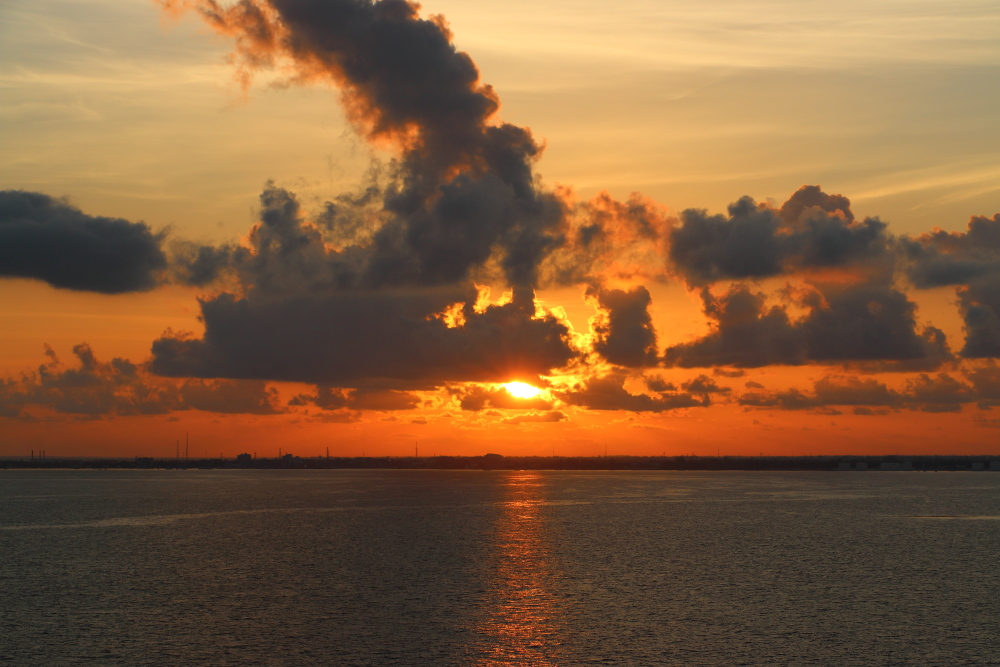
(47, 239)
(379, 285)
(463, 190)
(854, 312)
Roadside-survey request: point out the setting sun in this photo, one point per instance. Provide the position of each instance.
(522, 390)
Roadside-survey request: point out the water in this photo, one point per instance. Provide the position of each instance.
(498, 568)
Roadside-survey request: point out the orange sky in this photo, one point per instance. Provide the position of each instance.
(338, 238)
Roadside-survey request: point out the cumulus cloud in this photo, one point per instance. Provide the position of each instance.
(48, 239)
(536, 418)
(378, 286)
(867, 322)
(812, 230)
(367, 398)
(463, 190)
(608, 392)
(938, 393)
(96, 389)
(477, 397)
(969, 260)
(347, 337)
(231, 396)
(623, 330)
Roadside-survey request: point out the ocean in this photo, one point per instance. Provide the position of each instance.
(362, 567)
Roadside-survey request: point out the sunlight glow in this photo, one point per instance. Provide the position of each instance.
(522, 390)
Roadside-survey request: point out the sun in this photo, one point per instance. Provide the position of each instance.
(522, 390)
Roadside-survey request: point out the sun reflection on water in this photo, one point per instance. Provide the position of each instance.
(521, 628)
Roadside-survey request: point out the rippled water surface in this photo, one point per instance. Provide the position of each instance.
(499, 568)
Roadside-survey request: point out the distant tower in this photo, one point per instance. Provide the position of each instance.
(187, 443)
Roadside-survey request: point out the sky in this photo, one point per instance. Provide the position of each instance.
(720, 227)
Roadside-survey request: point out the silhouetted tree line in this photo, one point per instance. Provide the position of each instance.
(498, 462)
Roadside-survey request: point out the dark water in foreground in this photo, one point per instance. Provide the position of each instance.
(499, 568)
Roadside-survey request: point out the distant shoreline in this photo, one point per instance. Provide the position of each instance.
(844, 463)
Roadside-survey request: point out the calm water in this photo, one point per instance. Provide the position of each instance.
(499, 568)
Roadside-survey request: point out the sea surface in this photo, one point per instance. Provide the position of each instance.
(499, 568)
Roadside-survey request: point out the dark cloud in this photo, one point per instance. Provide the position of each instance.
(348, 337)
(97, 389)
(623, 330)
(381, 400)
(536, 418)
(746, 333)
(92, 389)
(788, 399)
(477, 398)
(812, 230)
(231, 396)
(609, 393)
(942, 258)
(847, 390)
(47, 239)
(608, 238)
(704, 385)
(378, 286)
(986, 382)
(969, 260)
(463, 190)
(979, 304)
(940, 393)
(852, 322)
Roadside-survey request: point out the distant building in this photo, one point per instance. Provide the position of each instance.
(861, 465)
(243, 459)
(977, 466)
(994, 465)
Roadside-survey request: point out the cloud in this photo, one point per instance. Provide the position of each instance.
(463, 191)
(986, 381)
(368, 398)
(940, 393)
(941, 258)
(608, 393)
(47, 239)
(231, 396)
(623, 331)
(812, 230)
(342, 338)
(91, 389)
(704, 385)
(854, 322)
(536, 418)
(969, 260)
(746, 334)
(607, 238)
(477, 398)
(119, 388)
(378, 286)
